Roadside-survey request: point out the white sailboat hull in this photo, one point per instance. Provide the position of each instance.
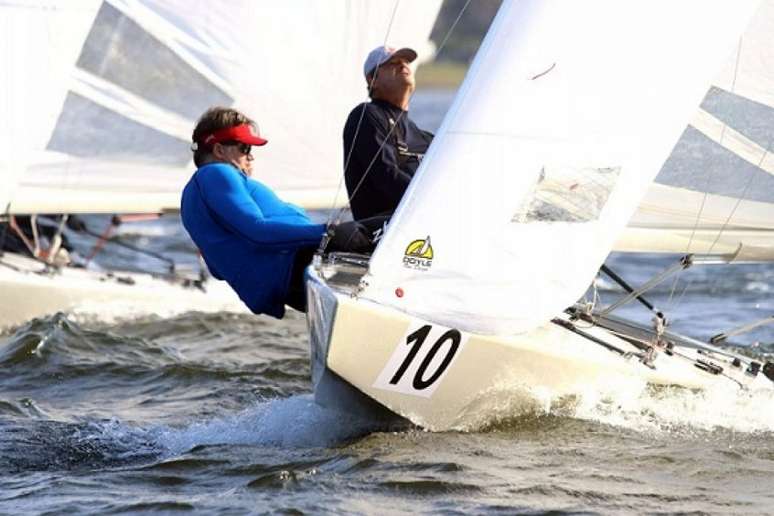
(363, 345)
(28, 291)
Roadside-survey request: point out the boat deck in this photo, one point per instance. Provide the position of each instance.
(342, 271)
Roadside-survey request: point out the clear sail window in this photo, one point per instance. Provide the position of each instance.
(564, 194)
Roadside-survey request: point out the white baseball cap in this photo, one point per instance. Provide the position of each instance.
(381, 55)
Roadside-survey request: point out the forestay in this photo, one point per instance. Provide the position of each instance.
(99, 99)
(567, 114)
(715, 193)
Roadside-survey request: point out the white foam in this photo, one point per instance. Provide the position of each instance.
(628, 402)
(290, 422)
(298, 422)
(645, 408)
(757, 286)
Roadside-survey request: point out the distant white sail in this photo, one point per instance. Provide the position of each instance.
(725, 153)
(563, 121)
(39, 42)
(99, 98)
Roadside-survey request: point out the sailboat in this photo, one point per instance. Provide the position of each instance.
(566, 141)
(99, 98)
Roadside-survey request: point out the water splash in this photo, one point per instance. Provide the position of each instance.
(295, 422)
(628, 403)
(290, 422)
(648, 408)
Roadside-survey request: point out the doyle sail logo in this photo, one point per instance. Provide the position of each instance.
(418, 254)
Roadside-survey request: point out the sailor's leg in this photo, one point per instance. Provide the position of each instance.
(296, 296)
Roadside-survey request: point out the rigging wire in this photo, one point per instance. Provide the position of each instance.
(334, 219)
(671, 303)
(730, 216)
(373, 160)
(739, 199)
(105, 237)
(357, 128)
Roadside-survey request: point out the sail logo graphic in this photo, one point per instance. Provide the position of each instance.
(418, 255)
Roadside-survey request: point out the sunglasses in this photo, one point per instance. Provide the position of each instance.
(244, 148)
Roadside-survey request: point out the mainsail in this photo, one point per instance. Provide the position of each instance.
(715, 193)
(562, 123)
(99, 98)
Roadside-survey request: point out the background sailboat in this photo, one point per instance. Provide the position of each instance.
(715, 192)
(100, 98)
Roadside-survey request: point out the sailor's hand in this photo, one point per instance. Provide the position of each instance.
(350, 237)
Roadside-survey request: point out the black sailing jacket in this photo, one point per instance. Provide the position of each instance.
(395, 155)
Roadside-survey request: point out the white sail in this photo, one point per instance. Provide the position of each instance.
(715, 193)
(562, 123)
(101, 96)
(38, 44)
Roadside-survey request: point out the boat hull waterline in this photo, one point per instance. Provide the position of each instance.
(441, 378)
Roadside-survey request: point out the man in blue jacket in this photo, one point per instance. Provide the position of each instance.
(247, 235)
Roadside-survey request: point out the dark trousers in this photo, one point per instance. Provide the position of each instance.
(296, 296)
(349, 237)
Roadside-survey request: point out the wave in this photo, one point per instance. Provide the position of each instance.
(58, 341)
(630, 404)
(294, 422)
(674, 409)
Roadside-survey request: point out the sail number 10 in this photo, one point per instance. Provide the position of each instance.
(421, 359)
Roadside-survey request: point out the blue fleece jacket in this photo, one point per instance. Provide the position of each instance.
(246, 234)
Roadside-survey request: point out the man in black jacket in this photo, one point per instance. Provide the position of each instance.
(382, 145)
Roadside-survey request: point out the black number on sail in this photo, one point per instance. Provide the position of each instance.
(416, 340)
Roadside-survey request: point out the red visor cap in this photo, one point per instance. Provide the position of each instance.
(244, 133)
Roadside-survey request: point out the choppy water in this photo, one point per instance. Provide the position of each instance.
(213, 414)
